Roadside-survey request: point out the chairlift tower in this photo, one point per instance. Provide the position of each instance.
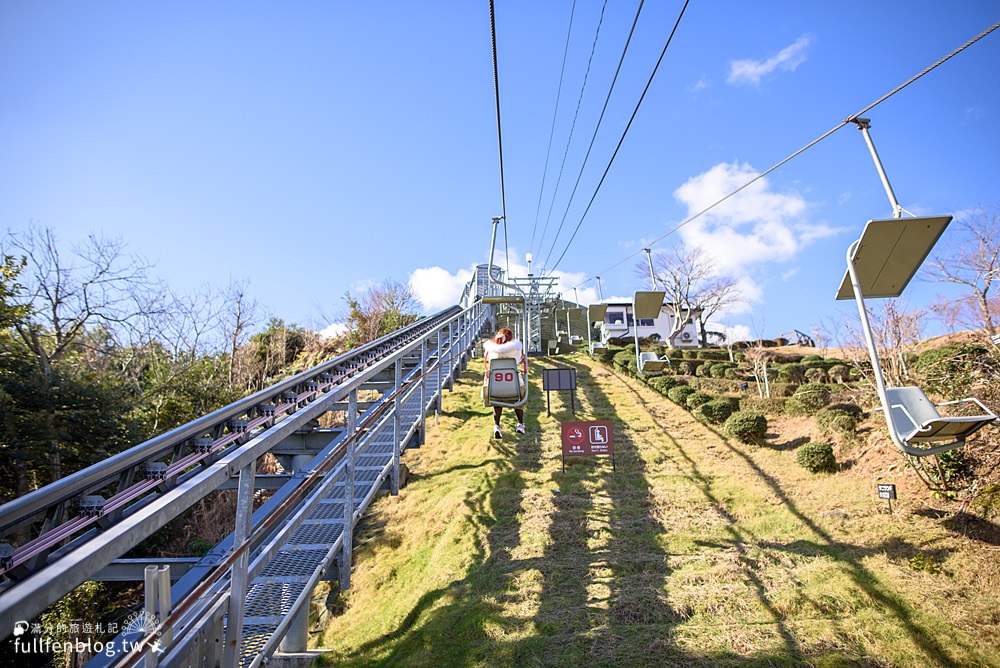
(540, 295)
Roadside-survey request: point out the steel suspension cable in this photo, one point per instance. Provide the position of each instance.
(600, 119)
(620, 141)
(569, 139)
(552, 130)
(496, 91)
(849, 119)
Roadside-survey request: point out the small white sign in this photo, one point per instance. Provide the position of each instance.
(995, 339)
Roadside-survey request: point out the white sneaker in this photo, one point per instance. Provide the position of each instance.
(520, 427)
(497, 434)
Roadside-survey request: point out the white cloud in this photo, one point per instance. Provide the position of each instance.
(754, 226)
(333, 330)
(700, 85)
(787, 60)
(436, 288)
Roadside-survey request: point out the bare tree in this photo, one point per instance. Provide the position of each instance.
(972, 261)
(693, 288)
(237, 316)
(96, 286)
(383, 309)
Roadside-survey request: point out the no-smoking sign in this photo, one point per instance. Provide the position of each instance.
(588, 438)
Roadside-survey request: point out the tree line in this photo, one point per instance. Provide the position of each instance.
(96, 355)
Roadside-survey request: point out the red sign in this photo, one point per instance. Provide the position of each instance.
(588, 438)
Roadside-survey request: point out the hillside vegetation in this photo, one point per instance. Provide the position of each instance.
(696, 549)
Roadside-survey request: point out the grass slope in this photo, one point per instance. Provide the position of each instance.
(695, 551)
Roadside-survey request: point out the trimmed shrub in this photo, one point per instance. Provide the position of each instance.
(950, 370)
(715, 411)
(817, 457)
(808, 399)
(624, 360)
(696, 399)
(834, 421)
(608, 356)
(765, 405)
(679, 394)
(840, 373)
(714, 355)
(746, 426)
(719, 370)
(816, 375)
(663, 384)
(813, 360)
(791, 372)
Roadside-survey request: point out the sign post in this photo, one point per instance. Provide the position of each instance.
(888, 492)
(595, 437)
(560, 378)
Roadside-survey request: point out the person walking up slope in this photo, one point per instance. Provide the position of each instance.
(504, 345)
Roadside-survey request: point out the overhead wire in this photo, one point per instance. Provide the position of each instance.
(622, 139)
(569, 139)
(814, 142)
(600, 119)
(496, 91)
(552, 130)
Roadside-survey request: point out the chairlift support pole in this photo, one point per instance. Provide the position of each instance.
(523, 320)
(864, 124)
(652, 275)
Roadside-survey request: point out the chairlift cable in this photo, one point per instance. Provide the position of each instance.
(621, 140)
(849, 119)
(552, 130)
(569, 139)
(600, 119)
(496, 90)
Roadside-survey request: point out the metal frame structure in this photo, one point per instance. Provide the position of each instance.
(250, 594)
(881, 263)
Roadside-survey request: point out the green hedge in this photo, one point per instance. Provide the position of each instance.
(716, 411)
(747, 426)
(679, 394)
(808, 399)
(817, 457)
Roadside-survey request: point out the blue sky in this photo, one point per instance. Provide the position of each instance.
(314, 148)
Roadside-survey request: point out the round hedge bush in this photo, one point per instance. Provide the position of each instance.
(696, 399)
(808, 399)
(817, 457)
(663, 384)
(715, 411)
(835, 420)
(679, 394)
(747, 426)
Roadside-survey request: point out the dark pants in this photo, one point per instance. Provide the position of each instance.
(498, 411)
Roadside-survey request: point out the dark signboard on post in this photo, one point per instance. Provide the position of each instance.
(886, 491)
(558, 379)
(595, 437)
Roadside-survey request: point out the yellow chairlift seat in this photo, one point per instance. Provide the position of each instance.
(506, 384)
(598, 348)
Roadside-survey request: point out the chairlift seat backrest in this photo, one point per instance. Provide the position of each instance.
(504, 385)
(915, 418)
(598, 348)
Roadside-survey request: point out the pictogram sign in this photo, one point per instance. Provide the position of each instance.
(595, 437)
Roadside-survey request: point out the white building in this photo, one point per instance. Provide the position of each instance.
(619, 323)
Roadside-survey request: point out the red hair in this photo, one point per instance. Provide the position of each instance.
(503, 335)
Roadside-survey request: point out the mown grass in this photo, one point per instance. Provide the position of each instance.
(695, 551)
